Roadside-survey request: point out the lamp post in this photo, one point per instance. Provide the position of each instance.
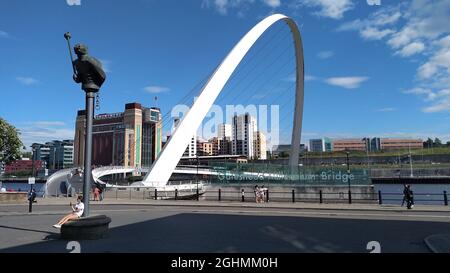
(30, 198)
(410, 162)
(348, 178)
(32, 163)
(88, 71)
(196, 177)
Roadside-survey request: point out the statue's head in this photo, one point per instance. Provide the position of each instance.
(81, 49)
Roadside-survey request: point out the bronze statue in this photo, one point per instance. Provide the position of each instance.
(87, 70)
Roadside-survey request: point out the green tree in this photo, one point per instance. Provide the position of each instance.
(10, 142)
(27, 154)
(428, 143)
(437, 142)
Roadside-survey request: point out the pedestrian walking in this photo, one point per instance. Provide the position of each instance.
(409, 197)
(405, 193)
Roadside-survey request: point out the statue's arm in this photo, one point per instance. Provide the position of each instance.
(76, 79)
(75, 76)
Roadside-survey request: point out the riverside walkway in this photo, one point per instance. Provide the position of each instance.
(212, 226)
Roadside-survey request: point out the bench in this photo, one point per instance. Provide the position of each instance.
(86, 228)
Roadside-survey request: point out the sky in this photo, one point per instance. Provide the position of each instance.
(372, 68)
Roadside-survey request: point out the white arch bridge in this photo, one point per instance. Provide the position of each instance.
(166, 164)
(69, 180)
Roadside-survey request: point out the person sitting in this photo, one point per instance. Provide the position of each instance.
(77, 212)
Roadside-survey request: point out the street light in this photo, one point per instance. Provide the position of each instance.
(196, 177)
(32, 163)
(30, 205)
(410, 162)
(348, 178)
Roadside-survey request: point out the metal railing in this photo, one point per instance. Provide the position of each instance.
(292, 196)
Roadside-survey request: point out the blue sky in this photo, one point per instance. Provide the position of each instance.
(371, 70)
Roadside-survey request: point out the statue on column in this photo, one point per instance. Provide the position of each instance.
(88, 70)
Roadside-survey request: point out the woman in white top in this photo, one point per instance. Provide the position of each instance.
(77, 212)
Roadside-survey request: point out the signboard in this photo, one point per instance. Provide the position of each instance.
(31, 180)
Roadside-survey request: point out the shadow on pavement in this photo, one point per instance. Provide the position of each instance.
(201, 233)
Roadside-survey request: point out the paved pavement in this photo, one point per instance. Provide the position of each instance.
(191, 226)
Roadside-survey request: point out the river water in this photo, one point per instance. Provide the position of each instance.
(24, 187)
(430, 194)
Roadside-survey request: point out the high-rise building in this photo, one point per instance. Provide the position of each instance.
(55, 154)
(151, 135)
(60, 155)
(327, 144)
(129, 138)
(316, 145)
(260, 146)
(191, 149)
(244, 128)
(224, 131)
(223, 143)
(42, 152)
(375, 144)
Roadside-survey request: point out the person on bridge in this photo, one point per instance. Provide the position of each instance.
(77, 212)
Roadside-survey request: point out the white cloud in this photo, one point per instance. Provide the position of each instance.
(382, 18)
(427, 70)
(46, 123)
(371, 33)
(402, 38)
(439, 62)
(411, 49)
(377, 26)
(272, 3)
(387, 109)
(421, 28)
(325, 54)
(156, 89)
(334, 9)
(44, 131)
(73, 2)
(428, 94)
(310, 78)
(4, 34)
(27, 80)
(346, 82)
(441, 106)
(223, 6)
